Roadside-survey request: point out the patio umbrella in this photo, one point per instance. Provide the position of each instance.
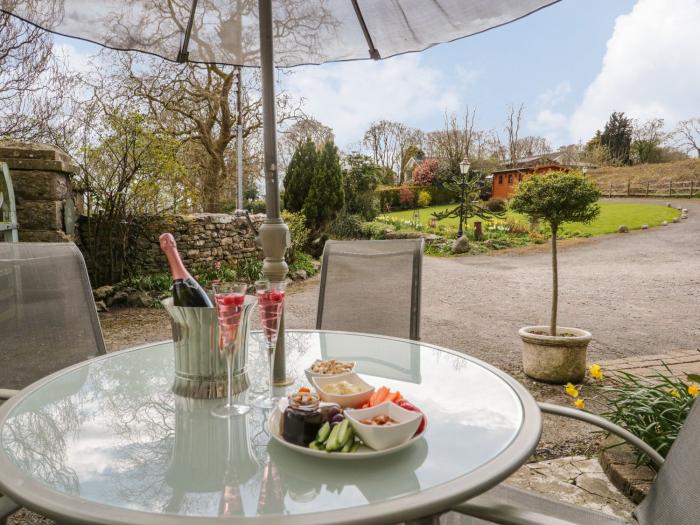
(269, 34)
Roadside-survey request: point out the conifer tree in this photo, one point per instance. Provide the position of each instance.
(326, 196)
(300, 173)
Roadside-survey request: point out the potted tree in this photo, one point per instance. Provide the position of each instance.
(556, 354)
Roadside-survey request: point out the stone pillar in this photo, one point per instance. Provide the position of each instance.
(41, 177)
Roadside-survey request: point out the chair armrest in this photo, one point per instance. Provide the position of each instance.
(506, 514)
(603, 423)
(6, 393)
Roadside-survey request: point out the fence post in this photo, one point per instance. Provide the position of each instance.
(647, 193)
(670, 188)
(628, 187)
(610, 192)
(691, 189)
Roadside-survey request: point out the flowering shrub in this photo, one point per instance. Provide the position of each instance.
(424, 199)
(406, 197)
(652, 408)
(424, 173)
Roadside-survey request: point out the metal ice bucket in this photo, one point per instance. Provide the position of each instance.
(200, 368)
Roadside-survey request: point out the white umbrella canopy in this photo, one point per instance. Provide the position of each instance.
(269, 34)
(304, 31)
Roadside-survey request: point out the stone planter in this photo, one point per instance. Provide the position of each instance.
(554, 359)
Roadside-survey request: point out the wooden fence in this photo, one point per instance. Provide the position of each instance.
(651, 189)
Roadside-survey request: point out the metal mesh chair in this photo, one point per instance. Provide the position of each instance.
(372, 287)
(48, 319)
(672, 499)
(47, 314)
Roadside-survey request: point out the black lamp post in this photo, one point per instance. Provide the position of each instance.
(464, 171)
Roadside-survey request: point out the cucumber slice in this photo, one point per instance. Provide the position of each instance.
(315, 446)
(344, 433)
(355, 446)
(348, 446)
(323, 433)
(332, 442)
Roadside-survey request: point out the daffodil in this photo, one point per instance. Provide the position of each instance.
(571, 390)
(580, 403)
(596, 371)
(675, 393)
(693, 390)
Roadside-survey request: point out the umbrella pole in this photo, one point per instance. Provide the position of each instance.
(274, 234)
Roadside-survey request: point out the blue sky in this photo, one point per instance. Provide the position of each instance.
(570, 64)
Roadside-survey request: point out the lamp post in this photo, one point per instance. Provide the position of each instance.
(464, 171)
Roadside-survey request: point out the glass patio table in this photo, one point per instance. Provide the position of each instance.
(106, 441)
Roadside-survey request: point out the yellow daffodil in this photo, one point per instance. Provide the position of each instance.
(693, 390)
(571, 390)
(675, 393)
(596, 371)
(580, 403)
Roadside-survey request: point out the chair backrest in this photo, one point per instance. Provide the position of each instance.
(372, 287)
(48, 318)
(673, 498)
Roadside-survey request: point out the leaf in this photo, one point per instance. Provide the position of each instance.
(695, 378)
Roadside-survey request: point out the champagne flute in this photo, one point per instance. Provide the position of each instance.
(270, 297)
(230, 300)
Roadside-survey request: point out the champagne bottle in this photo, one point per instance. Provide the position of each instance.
(186, 291)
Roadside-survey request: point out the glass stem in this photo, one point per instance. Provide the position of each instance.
(229, 383)
(271, 359)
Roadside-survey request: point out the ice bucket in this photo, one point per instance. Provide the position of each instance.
(200, 369)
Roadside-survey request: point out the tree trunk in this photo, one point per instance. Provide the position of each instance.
(555, 284)
(212, 191)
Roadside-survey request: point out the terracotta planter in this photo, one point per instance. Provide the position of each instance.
(555, 359)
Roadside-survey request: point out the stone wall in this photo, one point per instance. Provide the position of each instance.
(41, 178)
(202, 239)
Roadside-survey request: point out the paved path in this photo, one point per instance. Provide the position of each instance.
(638, 293)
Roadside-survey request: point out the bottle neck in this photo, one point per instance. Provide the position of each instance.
(177, 269)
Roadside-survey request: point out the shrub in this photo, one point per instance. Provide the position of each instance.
(296, 222)
(365, 204)
(495, 204)
(346, 226)
(389, 196)
(302, 261)
(424, 199)
(250, 270)
(406, 197)
(424, 173)
(156, 282)
(256, 206)
(374, 230)
(516, 227)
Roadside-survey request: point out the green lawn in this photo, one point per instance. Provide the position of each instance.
(612, 215)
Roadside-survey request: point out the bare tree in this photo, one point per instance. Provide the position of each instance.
(533, 145)
(33, 82)
(512, 129)
(297, 133)
(687, 134)
(456, 141)
(382, 143)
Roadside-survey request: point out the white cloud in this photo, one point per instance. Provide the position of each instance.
(651, 67)
(549, 122)
(348, 96)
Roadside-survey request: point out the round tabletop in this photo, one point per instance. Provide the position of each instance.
(106, 441)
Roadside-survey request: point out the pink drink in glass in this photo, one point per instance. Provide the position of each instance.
(229, 311)
(270, 303)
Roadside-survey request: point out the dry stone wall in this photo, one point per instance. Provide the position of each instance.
(202, 239)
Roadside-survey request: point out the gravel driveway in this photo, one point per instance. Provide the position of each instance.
(638, 293)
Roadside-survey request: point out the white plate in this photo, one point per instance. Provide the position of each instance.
(274, 425)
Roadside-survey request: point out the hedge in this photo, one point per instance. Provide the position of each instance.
(389, 195)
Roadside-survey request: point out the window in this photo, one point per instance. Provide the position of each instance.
(500, 179)
(510, 179)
